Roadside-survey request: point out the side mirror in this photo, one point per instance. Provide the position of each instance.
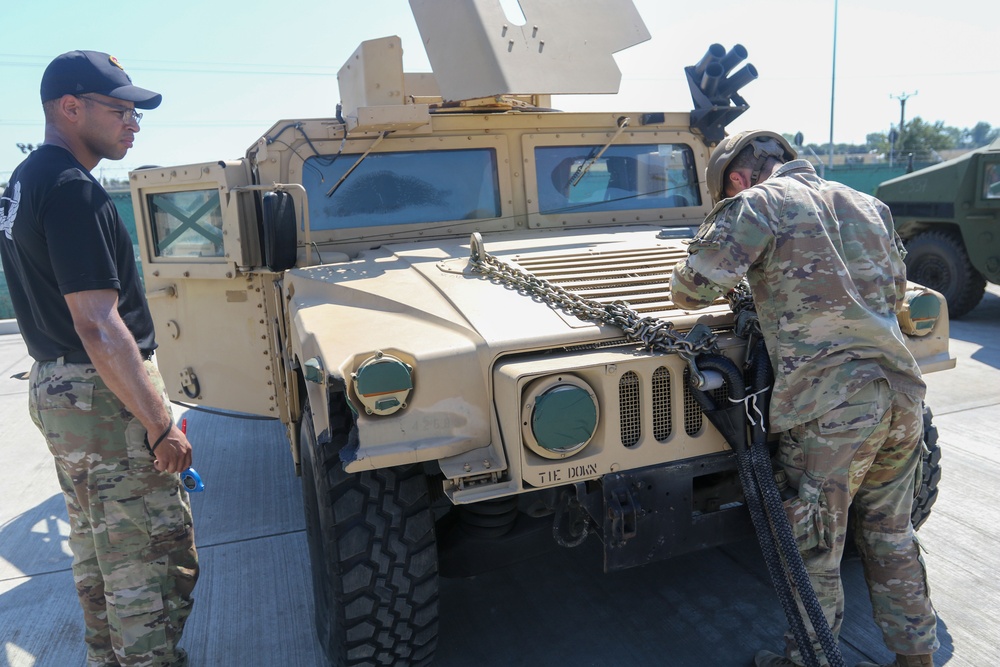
(279, 231)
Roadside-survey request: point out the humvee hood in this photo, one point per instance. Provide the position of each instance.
(434, 290)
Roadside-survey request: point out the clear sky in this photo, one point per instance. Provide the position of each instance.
(229, 69)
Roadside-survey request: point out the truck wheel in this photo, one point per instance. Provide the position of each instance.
(930, 473)
(373, 554)
(938, 260)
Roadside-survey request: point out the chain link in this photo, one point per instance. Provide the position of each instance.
(741, 303)
(656, 334)
(747, 324)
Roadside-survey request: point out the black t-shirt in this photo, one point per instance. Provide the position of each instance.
(60, 233)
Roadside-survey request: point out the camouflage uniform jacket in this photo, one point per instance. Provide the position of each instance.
(826, 271)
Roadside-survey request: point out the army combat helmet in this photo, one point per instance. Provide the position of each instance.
(766, 144)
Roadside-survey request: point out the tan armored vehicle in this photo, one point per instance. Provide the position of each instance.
(428, 290)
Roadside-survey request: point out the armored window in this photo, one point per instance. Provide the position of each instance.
(991, 180)
(402, 188)
(625, 177)
(186, 224)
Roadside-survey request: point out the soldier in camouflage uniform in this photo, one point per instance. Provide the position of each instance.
(826, 272)
(95, 392)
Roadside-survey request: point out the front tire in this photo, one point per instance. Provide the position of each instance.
(938, 260)
(373, 553)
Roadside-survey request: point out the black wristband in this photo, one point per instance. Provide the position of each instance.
(160, 439)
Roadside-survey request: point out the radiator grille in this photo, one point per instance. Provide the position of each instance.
(663, 421)
(630, 406)
(629, 402)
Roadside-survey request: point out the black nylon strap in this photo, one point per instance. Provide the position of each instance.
(160, 439)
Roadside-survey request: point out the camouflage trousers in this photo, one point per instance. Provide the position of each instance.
(131, 532)
(864, 455)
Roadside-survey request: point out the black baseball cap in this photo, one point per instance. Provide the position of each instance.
(79, 72)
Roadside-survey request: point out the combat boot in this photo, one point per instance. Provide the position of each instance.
(769, 659)
(926, 660)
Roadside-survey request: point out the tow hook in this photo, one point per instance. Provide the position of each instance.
(622, 511)
(694, 340)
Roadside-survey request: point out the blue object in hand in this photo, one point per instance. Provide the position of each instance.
(192, 480)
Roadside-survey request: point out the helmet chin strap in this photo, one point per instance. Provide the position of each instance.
(758, 166)
(763, 151)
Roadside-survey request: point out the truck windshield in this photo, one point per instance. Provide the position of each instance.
(624, 177)
(402, 188)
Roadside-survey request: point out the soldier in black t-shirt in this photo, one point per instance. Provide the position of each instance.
(96, 394)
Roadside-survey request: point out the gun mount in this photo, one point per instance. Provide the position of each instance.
(715, 95)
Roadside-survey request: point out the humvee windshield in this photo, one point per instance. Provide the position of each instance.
(623, 177)
(402, 188)
(414, 187)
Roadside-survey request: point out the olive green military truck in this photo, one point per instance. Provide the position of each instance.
(439, 291)
(948, 216)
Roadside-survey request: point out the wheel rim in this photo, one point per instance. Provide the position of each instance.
(932, 272)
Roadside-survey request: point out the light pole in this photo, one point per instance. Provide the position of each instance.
(833, 78)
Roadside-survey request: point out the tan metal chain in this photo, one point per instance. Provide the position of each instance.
(656, 334)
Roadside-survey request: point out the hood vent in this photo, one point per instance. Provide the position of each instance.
(638, 276)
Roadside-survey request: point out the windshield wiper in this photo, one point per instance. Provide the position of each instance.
(357, 162)
(582, 170)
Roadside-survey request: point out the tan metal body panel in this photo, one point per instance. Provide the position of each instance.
(452, 324)
(215, 323)
(607, 453)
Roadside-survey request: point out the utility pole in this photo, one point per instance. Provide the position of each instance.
(902, 97)
(833, 78)
(894, 135)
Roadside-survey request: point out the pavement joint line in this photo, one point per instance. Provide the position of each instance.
(245, 539)
(965, 408)
(199, 546)
(35, 574)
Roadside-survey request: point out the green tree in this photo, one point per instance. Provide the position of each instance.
(980, 135)
(918, 137)
(921, 137)
(878, 142)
